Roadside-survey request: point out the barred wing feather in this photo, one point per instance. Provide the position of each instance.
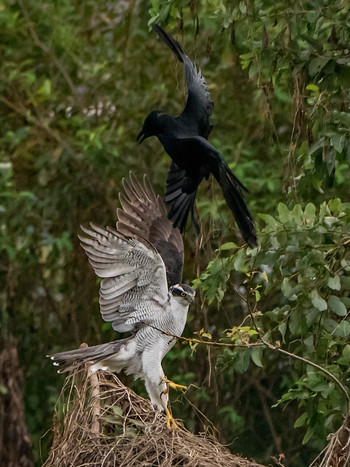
(134, 286)
(144, 215)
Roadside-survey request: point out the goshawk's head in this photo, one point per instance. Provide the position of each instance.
(183, 293)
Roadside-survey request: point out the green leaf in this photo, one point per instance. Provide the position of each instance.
(118, 411)
(282, 329)
(329, 420)
(270, 221)
(256, 356)
(316, 65)
(337, 141)
(330, 221)
(45, 89)
(317, 301)
(343, 329)
(345, 358)
(239, 263)
(313, 88)
(345, 282)
(316, 146)
(283, 212)
(336, 206)
(337, 305)
(228, 246)
(310, 213)
(106, 326)
(309, 433)
(29, 77)
(346, 352)
(301, 421)
(286, 288)
(298, 215)
(220, 294)
(334, 282)
(243, 360)
(330, 160)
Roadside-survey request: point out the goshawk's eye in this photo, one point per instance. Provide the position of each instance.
(183, 294)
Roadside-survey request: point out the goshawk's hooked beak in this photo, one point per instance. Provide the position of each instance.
(141, 136)
(191, 298)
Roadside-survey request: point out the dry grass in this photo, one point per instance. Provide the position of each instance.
(100, 422)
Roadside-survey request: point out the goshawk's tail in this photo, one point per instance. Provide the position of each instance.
(78, 357)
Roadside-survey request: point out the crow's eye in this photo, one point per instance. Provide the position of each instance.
(183, 294)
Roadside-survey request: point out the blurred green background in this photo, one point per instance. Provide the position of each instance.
(77, 79)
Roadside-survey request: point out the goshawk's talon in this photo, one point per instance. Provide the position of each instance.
(170, 422)
(173, 385)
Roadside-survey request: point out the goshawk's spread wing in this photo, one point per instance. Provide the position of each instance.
(134, 286)
(199, 104)
(144, 215)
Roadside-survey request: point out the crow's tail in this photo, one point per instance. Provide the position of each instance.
(232, 190)
(78, 357)
(169, 41)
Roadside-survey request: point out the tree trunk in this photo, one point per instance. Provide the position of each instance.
(15, 442)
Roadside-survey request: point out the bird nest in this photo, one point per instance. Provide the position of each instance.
(100, 422)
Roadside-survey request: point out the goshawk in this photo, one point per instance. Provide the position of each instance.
(141, 264)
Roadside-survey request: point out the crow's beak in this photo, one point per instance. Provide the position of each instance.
(141, 136)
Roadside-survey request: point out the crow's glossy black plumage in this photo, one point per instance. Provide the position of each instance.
(184, 138)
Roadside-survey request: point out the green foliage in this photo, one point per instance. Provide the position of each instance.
(302, 269)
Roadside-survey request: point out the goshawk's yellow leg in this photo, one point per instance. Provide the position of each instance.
(170, 420)
(170, 423)
(171, 384)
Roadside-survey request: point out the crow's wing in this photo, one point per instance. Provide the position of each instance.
(181, 190)
(134, 286)
(144, 215)
(199, 105)
(232, 188)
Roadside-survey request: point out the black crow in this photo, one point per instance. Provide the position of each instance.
(184, 138)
